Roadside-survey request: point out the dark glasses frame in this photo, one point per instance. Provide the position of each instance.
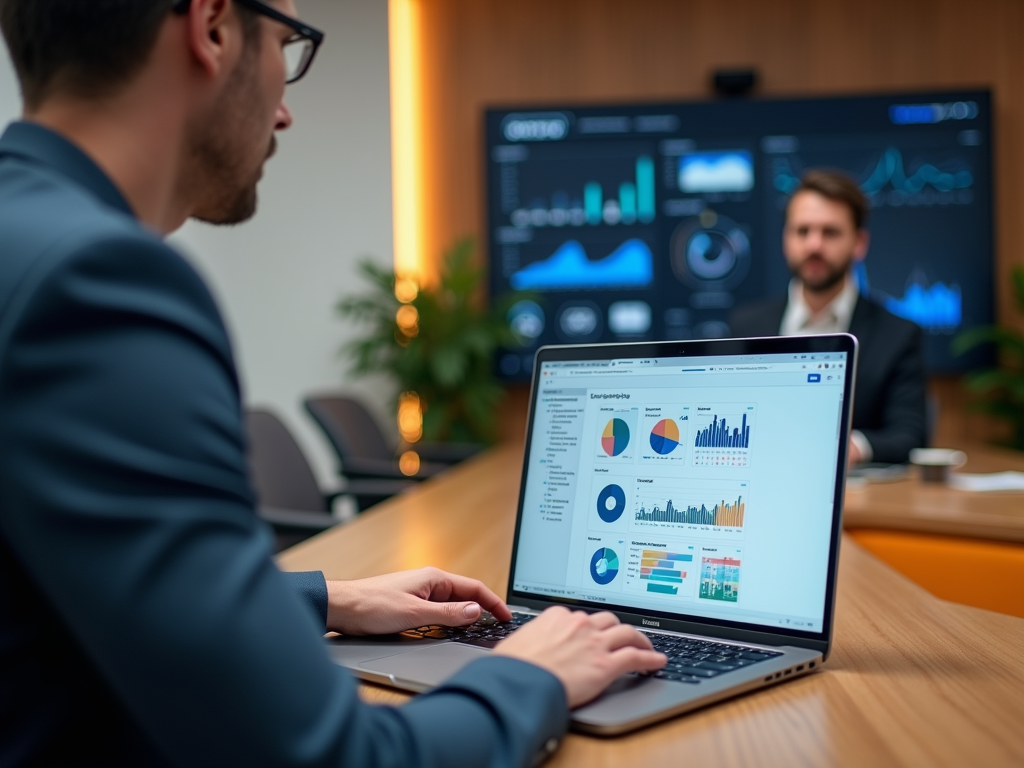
(302, 30)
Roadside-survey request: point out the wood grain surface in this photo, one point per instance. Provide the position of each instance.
(913, 505)
(912, 681)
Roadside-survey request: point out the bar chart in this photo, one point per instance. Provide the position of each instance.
(663, 572)
(722, 514)
(723, 436)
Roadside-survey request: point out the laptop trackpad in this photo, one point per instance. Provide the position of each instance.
(430, 666)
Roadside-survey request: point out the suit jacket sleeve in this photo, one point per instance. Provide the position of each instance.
(903, 420)
(125, 496)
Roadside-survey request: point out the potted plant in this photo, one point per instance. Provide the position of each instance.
(1002, 386)
(437, 343)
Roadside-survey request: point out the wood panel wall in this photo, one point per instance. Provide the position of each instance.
(477, 53)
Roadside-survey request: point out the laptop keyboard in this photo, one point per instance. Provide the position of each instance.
(690, 660)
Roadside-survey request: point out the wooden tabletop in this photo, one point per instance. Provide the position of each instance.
(913, 680)
(913, 505)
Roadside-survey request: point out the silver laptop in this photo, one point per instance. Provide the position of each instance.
(695, 489)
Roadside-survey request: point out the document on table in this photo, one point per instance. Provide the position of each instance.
(995, 481)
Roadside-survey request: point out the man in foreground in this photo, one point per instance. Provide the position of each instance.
(142, 621)
(824, 237)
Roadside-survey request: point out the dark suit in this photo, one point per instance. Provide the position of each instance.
(889, 397)
(142, 620)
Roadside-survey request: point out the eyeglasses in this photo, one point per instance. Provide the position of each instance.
(299, 49)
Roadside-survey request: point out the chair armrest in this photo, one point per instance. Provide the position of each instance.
(297, 518)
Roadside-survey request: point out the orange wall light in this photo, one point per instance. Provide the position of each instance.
(404, 22)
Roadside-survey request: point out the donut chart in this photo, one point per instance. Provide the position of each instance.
(611, 503)
(604, 566)
(665, 437)
(615, 438)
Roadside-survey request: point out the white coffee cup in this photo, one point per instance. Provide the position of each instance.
(937, 463)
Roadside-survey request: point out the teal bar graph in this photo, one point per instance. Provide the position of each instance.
(627, 202)
(665, 589)
(592, 202)
(645, 189)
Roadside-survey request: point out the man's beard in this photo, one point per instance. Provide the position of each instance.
(226, 181)
(830, 279)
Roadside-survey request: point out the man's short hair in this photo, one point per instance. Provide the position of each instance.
(840, 188)
(85, 48)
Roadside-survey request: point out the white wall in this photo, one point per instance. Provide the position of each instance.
(325, 202)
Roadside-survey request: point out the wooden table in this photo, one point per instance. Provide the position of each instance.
(913, 680)
(912, 505)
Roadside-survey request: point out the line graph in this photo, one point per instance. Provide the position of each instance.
(945, 183)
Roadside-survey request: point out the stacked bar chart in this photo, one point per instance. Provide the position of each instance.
(662, 570)
(721, 514)
(718, 435)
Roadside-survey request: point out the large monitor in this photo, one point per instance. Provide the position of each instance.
(652, 222)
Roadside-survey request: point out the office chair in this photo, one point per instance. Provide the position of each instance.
(364, 451)
(289, 497)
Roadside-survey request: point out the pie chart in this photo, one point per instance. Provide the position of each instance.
(615, 437)
(665, 437)
(604, 566)
(611, 503)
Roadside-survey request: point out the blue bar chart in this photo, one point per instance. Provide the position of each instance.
(723, 436)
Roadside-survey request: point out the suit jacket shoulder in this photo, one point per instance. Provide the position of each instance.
(760, 319)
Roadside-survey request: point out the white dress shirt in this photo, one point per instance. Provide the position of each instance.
(834, 317)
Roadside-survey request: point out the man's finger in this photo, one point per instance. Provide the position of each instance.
(463, 588)
(457, 614)
(623, 636)
(631, 659)
(603, 620)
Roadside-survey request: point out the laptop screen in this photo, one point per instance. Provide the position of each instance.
(697, 486)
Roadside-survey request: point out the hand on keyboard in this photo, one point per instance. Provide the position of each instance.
(585, 651)
(397, 601)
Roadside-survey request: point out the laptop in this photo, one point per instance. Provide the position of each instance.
(693, 488)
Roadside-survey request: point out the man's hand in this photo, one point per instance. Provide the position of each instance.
(408, 599)
(854, 455)
(585, 651)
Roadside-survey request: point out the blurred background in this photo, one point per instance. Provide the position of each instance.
(401, 149)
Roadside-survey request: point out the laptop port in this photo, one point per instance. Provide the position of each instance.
(789, 672)
(811, 665)
(768, 679)
(800, 668)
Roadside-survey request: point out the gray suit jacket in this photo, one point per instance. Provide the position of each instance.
(142, 620)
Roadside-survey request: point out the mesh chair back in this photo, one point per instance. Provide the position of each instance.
(349, 426)
(280, 472)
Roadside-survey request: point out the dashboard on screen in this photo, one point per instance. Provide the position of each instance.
(653, 222)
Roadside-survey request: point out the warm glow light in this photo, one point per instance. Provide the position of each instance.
(410, 417)
(408, 319)
(409, 463)
(406, 290)
(406, 137)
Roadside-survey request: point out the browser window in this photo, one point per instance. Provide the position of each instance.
(702, 487)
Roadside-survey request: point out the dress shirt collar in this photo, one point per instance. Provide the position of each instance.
(834, 317)
(41, 145)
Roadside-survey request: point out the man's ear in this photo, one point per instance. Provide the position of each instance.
(860, 250)
(214, 35)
